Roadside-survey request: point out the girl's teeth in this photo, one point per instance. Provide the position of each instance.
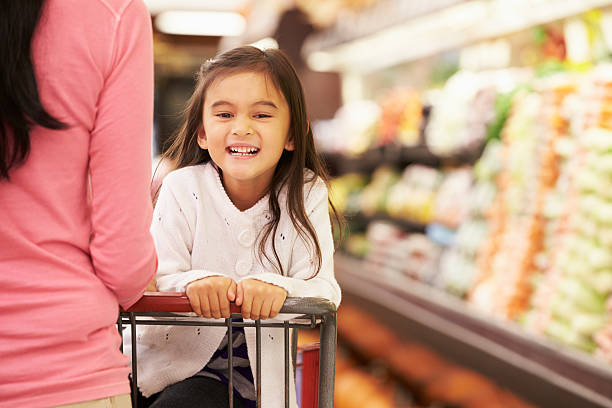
(243, 150)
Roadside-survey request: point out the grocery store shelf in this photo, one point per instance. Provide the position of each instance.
(405, 225)
(421, 29)
(549, 374)
(397, 156)
(367, 162)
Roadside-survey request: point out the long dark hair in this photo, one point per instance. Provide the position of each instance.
(185, 151)
(20, 105)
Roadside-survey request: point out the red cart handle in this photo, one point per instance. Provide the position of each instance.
(167, 302)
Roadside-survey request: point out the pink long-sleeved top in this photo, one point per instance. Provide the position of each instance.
(69, 254)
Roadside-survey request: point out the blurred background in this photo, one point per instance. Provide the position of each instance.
(470, 144)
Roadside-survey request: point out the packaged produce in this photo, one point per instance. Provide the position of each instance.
(413, 196)
(373, 197)
(466, 112)
(520, 228)
(351, 131)
(400, 119)
(452, 199)
(392, 252)
(458, 263)
(345, 190)
(569, 301)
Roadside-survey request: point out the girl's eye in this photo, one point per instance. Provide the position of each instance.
(263, 116)
(224, 115)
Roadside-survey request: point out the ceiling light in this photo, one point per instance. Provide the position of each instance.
(211, 23)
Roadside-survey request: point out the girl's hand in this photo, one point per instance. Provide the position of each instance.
(211, 296)
(259, 300)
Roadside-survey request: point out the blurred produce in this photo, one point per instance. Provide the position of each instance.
(467, 108)
(603, 339)
(570, 299)
(517, 225)
(532, 241)
(552, 42)
(430, 380)
(452, 204)
(357, 244)
(379, 341)
(362, 125)
(374, 195)
(392, 252)
(345, 190)
(421, 194)
(413, 196)
(503, 104)
(461, 387)
(430, 366)
(457, 265)
(351, 131)
(400, 119)
(524, 234)
(355, 388)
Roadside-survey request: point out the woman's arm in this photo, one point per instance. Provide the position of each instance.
(121, 248)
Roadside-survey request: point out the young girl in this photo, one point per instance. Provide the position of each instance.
(243, 218)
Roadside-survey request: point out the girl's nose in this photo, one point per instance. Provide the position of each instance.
(242, 127)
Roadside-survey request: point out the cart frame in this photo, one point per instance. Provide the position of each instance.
(313, 312)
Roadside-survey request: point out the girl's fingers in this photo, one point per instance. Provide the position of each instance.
(256, 307)
(239, 294)
(204, 306)
(266, 307)
(246, 306)
(224, 304)
(259, 300)
(194, 300)
(214, 305)
(277, 304)
(231, 292)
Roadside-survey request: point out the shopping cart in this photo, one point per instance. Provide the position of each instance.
(312, 312)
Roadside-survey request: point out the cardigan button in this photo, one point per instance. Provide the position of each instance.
(243, 267)
(245, 238)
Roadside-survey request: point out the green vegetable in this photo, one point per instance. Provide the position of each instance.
(587, 324)
(503, 104)
(582, 296)
(566, 334)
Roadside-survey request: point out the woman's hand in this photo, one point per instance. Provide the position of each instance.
(211, 296)
(152, 286)
(259, 300)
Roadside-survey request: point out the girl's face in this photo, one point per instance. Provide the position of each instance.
(245, 129)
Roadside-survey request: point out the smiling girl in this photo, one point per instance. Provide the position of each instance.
(243, 218)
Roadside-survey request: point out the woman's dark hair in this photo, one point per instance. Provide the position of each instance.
(185, 151)
(20, 105)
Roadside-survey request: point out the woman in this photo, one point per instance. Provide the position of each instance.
(76, 96)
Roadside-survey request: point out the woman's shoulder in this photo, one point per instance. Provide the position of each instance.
(99, 11)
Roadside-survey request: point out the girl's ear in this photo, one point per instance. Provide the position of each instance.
(202, 142)
(289, 144)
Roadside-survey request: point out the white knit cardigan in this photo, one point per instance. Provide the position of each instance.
(198, 232)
